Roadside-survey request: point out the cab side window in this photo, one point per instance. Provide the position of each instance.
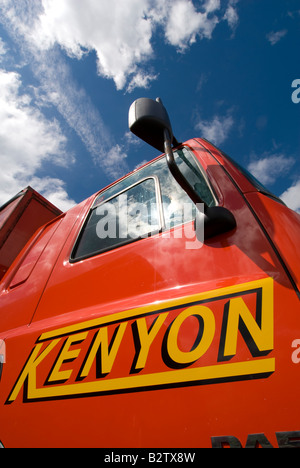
(145, 203)
(132, 214)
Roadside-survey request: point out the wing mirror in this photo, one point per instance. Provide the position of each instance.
(150, 121)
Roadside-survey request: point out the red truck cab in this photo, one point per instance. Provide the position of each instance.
(127, 324)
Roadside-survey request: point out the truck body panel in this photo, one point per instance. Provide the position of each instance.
(19, 219)
(282, 226)
(163, 341)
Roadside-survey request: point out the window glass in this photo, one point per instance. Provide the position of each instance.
(253, 180)
(146, 202)
(187, 164)
(125, 217)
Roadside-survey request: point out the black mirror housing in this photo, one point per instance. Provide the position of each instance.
(217, 220)
(148, 120)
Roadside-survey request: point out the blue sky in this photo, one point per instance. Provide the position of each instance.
(227, 70)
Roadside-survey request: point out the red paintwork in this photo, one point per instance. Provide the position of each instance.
(283, 226)
(19, 219)
(48, 293)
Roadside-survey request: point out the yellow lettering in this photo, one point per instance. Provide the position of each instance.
(108, 353)
(66, 355)
(143, 339)
(206, 333)
(30, 368)
(257, 333)
(247, 324)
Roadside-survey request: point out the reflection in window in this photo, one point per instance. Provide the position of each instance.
(133, 214)
(146, 202)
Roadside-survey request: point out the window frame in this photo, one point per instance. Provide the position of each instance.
(96, 205)
(161, 215)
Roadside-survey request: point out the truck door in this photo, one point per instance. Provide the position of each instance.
(147, 337)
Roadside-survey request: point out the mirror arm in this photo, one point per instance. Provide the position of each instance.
(177, 174)
(149, 120)
(217, 219)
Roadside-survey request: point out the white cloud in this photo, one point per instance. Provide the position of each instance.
(274, 37)
(57, 86)
(115, 162)
(2, 49)
(231, 15)
(27, 138)
(211, 6)
(216, 130)
(120, 32)
(292, 197)
(24, 129)
(184, 23)
(271, 166)
(141, 80)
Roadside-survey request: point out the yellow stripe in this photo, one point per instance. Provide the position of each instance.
(200, 374)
